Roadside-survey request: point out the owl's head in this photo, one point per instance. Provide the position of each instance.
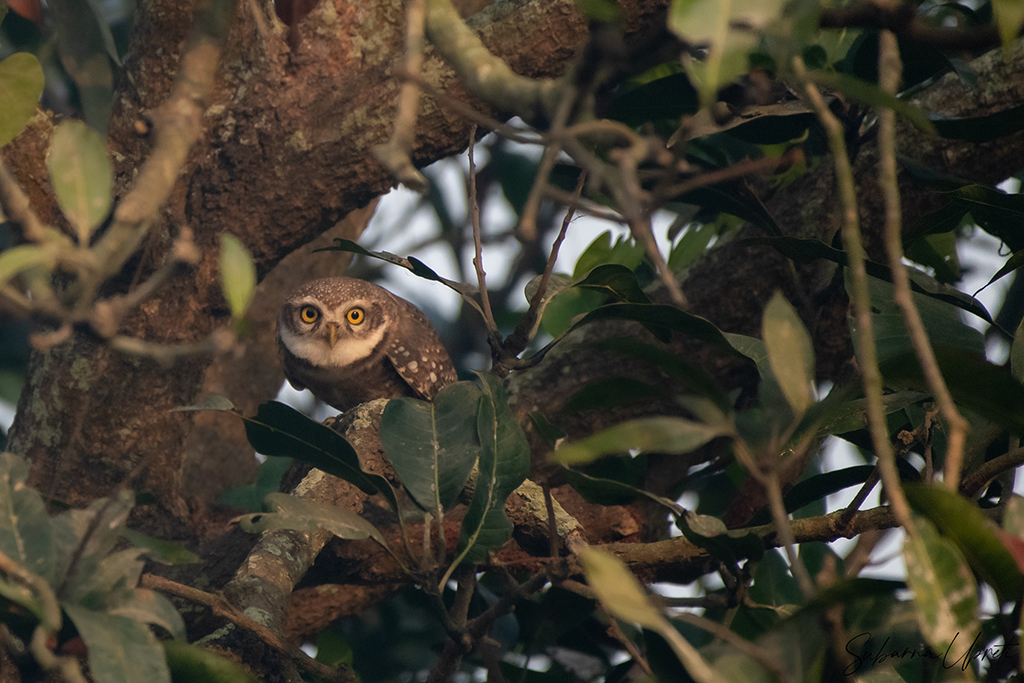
(334, 322)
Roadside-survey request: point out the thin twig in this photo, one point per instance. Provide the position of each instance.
(478, 262)
(974, 481)
(752, 650)
(777, 507)
(737, 170)
(889, 69)
(615, 631)
(867, 358)
(583, 204)
(16, 207)
(394, 154)
(527, 228)
(222, 608)
(527, 329)
(69, 668)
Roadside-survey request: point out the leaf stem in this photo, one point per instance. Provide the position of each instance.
(889, 69)
(867, 356)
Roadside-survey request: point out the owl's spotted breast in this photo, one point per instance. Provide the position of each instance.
(349, 341)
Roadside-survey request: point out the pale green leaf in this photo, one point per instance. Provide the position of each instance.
(192, 663)
(618, 590)
(944, 588)
(790, 352)
(82, 176)
(1009, 16)
(23, 257)
(121, 650)
(237, 274)
(292, 512)
(148, 607)
(650, 434)
(21, 81)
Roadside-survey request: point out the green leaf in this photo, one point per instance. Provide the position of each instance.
(617, 281)
(332, 650)
(618, 590)
(601, 10)
(660, 318)
(433, 445)
(412, 264)
(91, 534)
(867, 93)
(292, 512)
(622, 595)
(1009, 16)
(601, 251)
(189, 664)
(25, 534)
(237, 275)
(121, 650)
(711, 534)
(268, 480)
(503, 466)
(975, 535)
(149, 607)
(282, 431)
(730, 31)
(23, 257)
(941, 321)
(83, 42)
(974, 382)
(986, 128)
(613, 391)
(944, 589)
(790, 352)
(21, 81)
(82, 176)
(1017, 354)
(807, 250)
(674, 435)
(159, 550)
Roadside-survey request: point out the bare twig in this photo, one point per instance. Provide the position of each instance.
(976, 480)
(777, 507)
(527, 228)
(737, 170)
(584, 205)
(615, 631)
(889, 70)
(527, 329)
(478, 262)
(867, 358)
(222, 608)
(752, 650)
(68, 667)
(17, 208)
(394, 154)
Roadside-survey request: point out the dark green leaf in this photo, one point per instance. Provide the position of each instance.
(433, 445)
(669, 97)
(164, 552)
(601, 10)
(83, 45)
(280, 430)
(190, 664)
(807, 250)
(601, 251)
(1013, 263)
(974, 382)
(661, 317)
(617, 281)
(979, 129)
(504, 464)
(612, 391)
(268, 480)
(121, 650)
(21, 81)
(70, 530)
(333, 650)
(733, 201)
(865, 92)
(975, 535)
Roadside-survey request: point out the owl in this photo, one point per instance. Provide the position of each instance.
(350, 341)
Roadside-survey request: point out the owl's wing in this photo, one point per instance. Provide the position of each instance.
(422, 362)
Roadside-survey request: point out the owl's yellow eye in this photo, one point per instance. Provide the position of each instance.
(355, 316)
(309, 314)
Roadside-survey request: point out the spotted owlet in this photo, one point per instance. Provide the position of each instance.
(350, 341)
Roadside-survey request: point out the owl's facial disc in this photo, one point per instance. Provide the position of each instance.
(333, 338)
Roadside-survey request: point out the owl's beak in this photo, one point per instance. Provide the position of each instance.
(332, 334)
